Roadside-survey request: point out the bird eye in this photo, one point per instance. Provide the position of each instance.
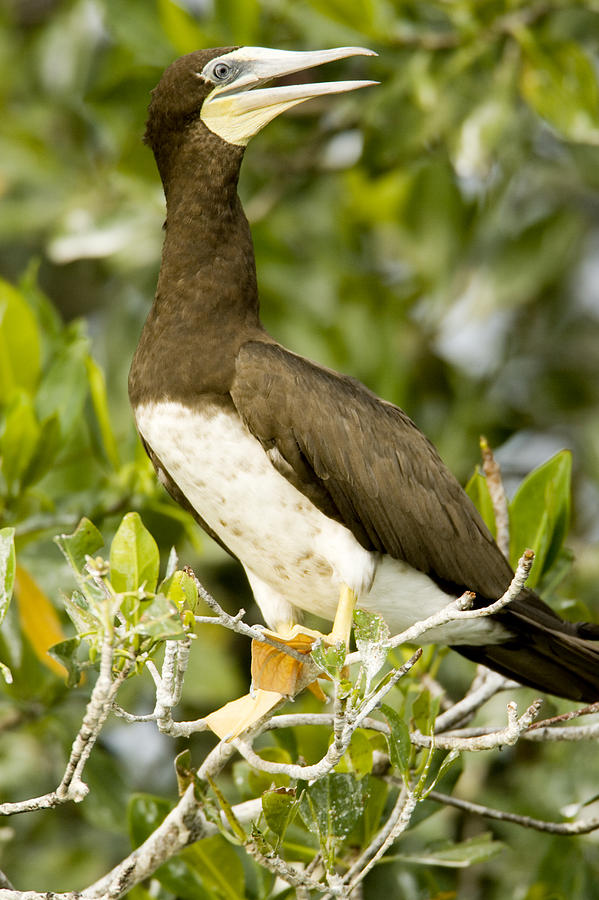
(221, 70)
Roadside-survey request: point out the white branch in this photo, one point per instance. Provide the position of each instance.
(492, 471)
(71, 786)
(460, 609)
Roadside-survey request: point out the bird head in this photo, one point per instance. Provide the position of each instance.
(225, 89)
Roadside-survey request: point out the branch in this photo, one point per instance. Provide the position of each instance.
(461, 608)
(498, 496)
(568, 828)
(345, 721)
(482, 689)
(71, 786)
(504, 737)
(395, 825)
(235, 623)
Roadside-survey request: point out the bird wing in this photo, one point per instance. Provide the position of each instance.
(364, 462)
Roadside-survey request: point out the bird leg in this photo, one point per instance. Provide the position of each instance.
(344, 616)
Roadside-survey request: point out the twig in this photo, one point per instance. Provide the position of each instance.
(71, 786)
(481, 691)
(504, 737)
(460, 609)
(567, 716)
(235, 623)
(291, 874)
(395, 825)
(344, 726)
(568, 828)
(498, 496)
(569, 733)
(5, 883)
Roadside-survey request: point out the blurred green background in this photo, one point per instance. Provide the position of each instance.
(436, 236)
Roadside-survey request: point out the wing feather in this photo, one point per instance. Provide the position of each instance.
(364, 461)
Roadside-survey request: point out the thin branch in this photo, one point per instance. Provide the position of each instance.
(569, 733)
(481, 691)
(284, 870)
(567, 716)
(235, 623)
(71, 786)
(393, 828)
(498, 496)
(460, 609)
(568, 828)
(344, 726)
(5, 883)
(507, 736)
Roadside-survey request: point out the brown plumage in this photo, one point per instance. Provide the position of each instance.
(350, 457)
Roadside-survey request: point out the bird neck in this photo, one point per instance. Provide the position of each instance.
(208, 270)
(206, 302)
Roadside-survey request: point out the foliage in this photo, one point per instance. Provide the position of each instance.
(434, 238)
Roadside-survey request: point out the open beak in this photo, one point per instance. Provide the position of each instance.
(236, 110)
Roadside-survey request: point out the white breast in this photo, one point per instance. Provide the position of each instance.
(296, 558)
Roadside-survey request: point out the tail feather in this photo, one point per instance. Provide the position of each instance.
(544, 652)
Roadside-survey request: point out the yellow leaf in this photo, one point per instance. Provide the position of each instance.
(39, 619)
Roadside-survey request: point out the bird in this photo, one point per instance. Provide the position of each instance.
(326, 494)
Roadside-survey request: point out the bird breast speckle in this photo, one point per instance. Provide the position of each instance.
(276, 532)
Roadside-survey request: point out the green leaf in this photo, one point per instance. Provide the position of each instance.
(184, 771)
(400, 746)
(457, 856)
(80, 613)
(86, 540)
(375, 796)
(371, 632)
(558, 81)
(66, 653)
(45, 451)
(331, 659)
(449, 761)
(19, 344)
(134, 556)
(180, 589)
(97, 387)
(331, 806)
(279, 807)
(540, 514)
(64, 386)
(424, 711)
(7, 568)
(478, 491)
(217, 864)
(19, 440)
(160, 620)
(358, 758)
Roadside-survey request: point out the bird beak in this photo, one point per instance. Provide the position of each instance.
(236, 113)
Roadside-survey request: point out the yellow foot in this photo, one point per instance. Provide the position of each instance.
(275, 670)
(276, 675)
(230, 720)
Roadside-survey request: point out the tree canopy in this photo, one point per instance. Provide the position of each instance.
(435, 236)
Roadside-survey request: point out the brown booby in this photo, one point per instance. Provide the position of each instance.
(318, 487)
